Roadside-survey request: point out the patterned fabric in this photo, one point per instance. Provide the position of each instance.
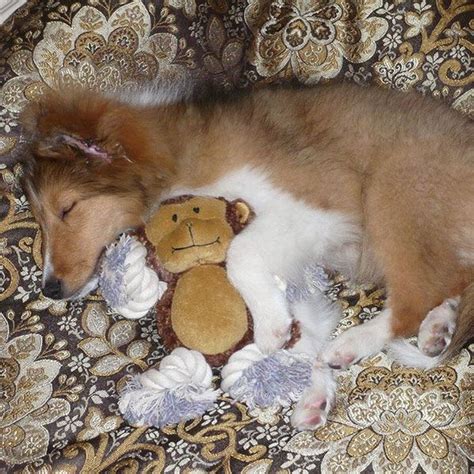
(61, 365)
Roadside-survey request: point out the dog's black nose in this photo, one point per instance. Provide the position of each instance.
(52, 289)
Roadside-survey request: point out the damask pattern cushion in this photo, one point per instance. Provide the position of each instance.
(62, 365)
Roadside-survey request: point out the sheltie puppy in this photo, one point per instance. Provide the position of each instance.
(374, 184)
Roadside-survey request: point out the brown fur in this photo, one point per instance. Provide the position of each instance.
(401, 165)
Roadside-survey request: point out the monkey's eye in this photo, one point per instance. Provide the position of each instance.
(196, 210)
(65, 211)
(174, 217)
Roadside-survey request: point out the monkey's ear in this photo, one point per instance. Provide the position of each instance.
(243, 211)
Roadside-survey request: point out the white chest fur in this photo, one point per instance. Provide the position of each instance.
(287, 232)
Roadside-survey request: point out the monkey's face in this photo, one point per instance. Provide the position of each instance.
(193, 232)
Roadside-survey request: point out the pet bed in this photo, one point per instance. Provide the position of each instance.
(58, 394)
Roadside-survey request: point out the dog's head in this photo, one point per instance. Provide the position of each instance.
(93, 163)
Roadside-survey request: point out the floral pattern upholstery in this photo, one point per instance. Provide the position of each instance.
(62, 365)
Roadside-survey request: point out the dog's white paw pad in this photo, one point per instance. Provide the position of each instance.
(310, 412)
(349, 348)
(342, 361)
(340, 356)
(437, 329)
(434, 341)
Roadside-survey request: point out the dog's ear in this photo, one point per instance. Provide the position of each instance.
(103, 130)
(63, 145)
(70, 127)
(86, 148)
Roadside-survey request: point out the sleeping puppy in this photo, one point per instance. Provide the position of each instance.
(374, 184)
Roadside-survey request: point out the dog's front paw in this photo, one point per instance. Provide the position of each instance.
(311, 411)
(271, 337)
(437, 329)
(342, 352)
(358, 342)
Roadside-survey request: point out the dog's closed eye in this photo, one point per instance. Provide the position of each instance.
(66, 210)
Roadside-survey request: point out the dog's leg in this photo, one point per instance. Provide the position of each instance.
(249, 273)
(418, 263)
(317, 317)
(367, 339)
(359, 342)
(317, 400)
(438, 327)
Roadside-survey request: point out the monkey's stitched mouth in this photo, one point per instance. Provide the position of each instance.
(176, 249)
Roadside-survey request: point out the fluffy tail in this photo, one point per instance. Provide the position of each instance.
(168, 89)
(408, 354)
(162, 91)
(464, 331)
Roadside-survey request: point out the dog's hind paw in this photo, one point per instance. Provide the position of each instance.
(311, 411)
(437, 329)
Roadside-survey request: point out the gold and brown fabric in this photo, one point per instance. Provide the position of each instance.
(62, 365)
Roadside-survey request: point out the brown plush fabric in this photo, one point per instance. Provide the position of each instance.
(191, 232)
(238, 212)
(170, 340)
(387, 418)
(201, 310)
(207, 312)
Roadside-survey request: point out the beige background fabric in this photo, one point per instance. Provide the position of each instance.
(61, 365)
